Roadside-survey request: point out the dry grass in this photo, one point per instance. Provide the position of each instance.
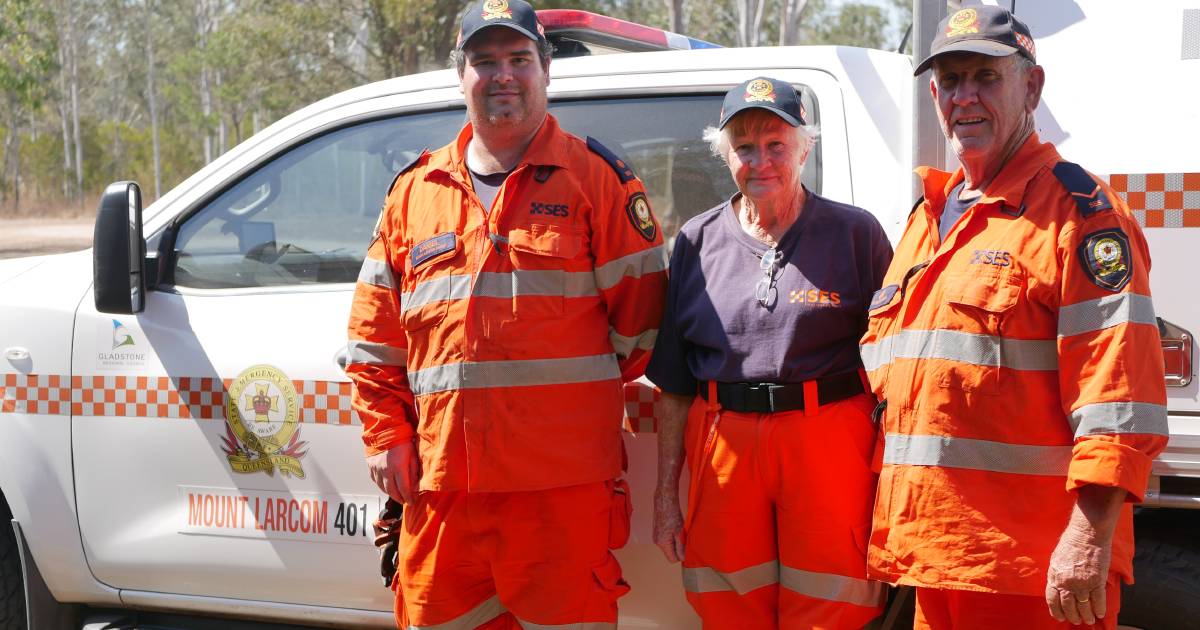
(51, 208)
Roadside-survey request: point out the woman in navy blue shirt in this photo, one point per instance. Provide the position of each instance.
(757, 359)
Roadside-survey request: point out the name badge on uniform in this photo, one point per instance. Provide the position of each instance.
(432, 247)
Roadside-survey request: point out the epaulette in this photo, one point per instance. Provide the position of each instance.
(623, 169)
(1089, 197)
(406, 168)
(920, 200)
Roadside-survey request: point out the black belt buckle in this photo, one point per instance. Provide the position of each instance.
(760, 398)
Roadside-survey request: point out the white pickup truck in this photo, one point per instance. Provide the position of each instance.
(177, 447)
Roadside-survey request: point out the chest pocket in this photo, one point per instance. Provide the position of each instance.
(540, 279)
(430, 281)
(973, 321)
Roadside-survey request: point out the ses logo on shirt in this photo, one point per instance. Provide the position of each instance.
(815, 296)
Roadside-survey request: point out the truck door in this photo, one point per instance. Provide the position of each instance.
(215, 449)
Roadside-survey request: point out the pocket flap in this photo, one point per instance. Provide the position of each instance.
(546, 240)
(992, 293)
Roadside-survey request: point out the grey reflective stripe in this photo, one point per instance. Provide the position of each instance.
(477, 616)
(472, 375)
(710, 580)
(953, 345)
(1119, 417)
(377, 273)
(366, 352)
(436, 290)
(529, 282)
(585, 625)
(624, 346)
(949, 452)
(634, 265)
(1105, 312)
(833, 587)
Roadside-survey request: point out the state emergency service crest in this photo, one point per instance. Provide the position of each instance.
(262, 431)
(496, 9)
(639, 215)
(964, 22)
(1105, 258)
(760, 91)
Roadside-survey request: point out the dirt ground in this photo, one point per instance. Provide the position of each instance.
(31, 237)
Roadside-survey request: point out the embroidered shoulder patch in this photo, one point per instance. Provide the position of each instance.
(1105, 257)
(884, 296)
(1088, 196)
(638, 210)
(623, 169)
(429, 248)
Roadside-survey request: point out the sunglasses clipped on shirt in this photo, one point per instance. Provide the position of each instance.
(765, 291)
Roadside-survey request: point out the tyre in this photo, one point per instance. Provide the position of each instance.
(1166, 569)
(12, 587)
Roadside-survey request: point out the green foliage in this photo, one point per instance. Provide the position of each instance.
(255, 61)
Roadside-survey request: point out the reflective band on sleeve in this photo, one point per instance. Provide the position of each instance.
(531, 282)
(477, 616)
(583, 625)
(632, 266)
(377, 273)
(710, 580)
(833, 587)
(436, 290)
(624, 346)
(369, 353)
(1105, 312)
(454, 376)
(1119, 417)
(953, 345)
(950, 452)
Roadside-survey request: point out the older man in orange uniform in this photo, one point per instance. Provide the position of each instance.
(517, 278)
(1015, 346)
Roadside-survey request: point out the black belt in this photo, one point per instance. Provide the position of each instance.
(772, 397)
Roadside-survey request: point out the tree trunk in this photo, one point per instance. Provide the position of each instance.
(152, 94)
(202, 30)
(74, 79)
(63, 114)
(750, 15)
(675, 15)
(789, 21)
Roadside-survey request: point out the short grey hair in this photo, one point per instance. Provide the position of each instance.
(720, 140)
(545, 50)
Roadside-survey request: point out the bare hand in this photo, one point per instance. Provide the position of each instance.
(396, 472)
(1077, 577)
(668, 524)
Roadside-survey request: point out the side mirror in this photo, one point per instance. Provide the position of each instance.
(119, 251)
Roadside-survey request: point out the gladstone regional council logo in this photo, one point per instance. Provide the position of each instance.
(262, 432)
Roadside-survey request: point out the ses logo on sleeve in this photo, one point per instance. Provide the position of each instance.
(262, 432)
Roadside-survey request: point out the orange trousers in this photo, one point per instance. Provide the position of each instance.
(503, 559)
(943, 609)
(778, 517)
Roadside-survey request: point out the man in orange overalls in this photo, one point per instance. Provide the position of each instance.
(1015, 346)
(516, 280)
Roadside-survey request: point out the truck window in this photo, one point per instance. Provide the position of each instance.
(307, 215)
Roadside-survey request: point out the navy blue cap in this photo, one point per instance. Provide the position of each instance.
(984, 29)
(515, 14)
(777, 97)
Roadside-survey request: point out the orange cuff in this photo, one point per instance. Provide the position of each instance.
(386, 439)
(1103, 462)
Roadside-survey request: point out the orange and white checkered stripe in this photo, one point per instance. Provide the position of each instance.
(639, 407)
(197, 398)
(1161, 200)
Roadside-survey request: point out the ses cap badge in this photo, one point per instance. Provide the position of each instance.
(496, 9)
(1105, 258)
(760, 91)
(262, 432)
(964, 22)
(638, 210)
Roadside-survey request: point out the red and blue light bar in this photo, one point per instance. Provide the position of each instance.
(601, 30)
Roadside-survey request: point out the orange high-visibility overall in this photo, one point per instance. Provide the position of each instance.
(778, 516)
(1020, 360)
(500, 338)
